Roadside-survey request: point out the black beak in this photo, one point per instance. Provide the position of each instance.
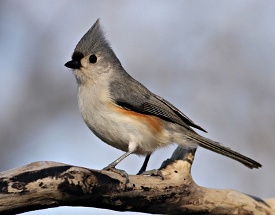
(73, 64)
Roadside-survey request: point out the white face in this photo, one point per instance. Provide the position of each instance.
(93, 68)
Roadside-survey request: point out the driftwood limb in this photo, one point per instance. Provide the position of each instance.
(43, 185)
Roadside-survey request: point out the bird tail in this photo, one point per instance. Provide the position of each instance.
(220, 149)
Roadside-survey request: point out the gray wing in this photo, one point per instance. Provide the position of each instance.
(181, 115)
(132, 95)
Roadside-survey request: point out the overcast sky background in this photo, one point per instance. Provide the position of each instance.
(214, 60)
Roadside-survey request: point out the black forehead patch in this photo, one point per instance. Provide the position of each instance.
(77, 56)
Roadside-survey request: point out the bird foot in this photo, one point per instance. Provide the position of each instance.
(118, 171)
(153, 172)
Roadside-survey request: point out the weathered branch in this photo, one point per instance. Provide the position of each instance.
(42, 185)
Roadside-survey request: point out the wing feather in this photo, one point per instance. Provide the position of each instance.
(134, 96)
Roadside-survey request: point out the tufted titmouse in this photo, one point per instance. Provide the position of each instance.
(125, 114)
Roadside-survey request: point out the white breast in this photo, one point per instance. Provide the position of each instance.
(117, 128)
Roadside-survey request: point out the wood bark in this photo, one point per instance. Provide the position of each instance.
(41, 185)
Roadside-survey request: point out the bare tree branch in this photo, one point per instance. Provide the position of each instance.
(41, 185)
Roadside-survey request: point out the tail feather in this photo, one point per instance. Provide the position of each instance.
(218, 148)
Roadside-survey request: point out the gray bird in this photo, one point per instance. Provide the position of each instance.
(125, 114)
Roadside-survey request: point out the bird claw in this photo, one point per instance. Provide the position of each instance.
(118, 171)
(153, 172)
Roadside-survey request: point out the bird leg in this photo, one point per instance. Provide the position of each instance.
(111, 167)
(153, 172)
(144, 165)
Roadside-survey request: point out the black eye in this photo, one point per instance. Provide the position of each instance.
(93, 59)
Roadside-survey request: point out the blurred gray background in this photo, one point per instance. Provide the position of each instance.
(214, 60)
